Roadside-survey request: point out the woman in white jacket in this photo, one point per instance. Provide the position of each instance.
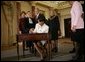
(40, 27)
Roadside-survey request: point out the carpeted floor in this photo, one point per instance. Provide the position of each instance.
(64, 46)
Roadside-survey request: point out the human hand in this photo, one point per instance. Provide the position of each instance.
(20, 32)
(31, 30)
(73, 28)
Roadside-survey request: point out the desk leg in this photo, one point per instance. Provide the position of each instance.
(23, 48)
(49, 50)
(18, 50)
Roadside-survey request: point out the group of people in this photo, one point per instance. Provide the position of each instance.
(39, 24)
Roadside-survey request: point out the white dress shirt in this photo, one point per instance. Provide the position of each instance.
(30, 21)
(37, 15)
(76, 12)
(41, 29)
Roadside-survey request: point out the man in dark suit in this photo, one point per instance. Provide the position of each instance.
(29, 24)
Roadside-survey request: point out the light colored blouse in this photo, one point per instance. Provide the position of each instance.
(76, 15)
(41, 29)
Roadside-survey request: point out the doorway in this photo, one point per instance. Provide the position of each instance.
(67, 27)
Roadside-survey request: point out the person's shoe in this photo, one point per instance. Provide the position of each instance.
(73, 51)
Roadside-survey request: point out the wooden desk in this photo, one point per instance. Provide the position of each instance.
(33, 37)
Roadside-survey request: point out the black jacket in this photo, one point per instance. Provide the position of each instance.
(53, 23)
(29, 25)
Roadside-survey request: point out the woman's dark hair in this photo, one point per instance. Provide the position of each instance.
(41, 18)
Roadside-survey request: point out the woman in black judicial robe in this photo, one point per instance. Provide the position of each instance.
(54, 27)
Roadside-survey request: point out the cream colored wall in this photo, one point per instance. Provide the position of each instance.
(4, 30)
(25, 6)
(9, 27)
(14, 24)
(64, 13)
